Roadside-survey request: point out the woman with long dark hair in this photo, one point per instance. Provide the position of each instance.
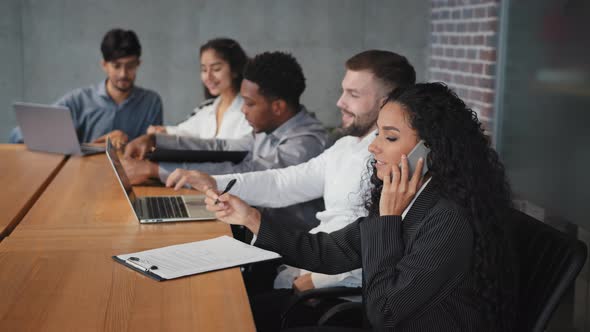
(219, 116)
(434, 249)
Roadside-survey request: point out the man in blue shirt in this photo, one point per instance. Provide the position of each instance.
(115, 107)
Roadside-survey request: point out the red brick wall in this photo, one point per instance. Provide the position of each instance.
(463, 51)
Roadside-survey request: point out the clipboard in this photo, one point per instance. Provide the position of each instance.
(146, 272)
(193, 258)
(195, 156)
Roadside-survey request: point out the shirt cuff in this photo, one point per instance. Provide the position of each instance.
(170, 130)
(325, 280)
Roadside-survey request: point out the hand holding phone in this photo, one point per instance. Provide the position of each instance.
(419, 151)
(400, 187)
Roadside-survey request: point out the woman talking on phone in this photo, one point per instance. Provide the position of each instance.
(435, 248)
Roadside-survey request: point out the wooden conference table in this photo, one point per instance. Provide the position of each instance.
(24, 174)
(57, 274)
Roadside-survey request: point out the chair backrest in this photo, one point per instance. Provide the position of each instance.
(548, 262)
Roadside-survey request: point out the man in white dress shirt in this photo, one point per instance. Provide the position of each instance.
(338, 174)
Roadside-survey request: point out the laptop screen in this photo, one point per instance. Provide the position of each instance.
(47, 128)
(120, 171)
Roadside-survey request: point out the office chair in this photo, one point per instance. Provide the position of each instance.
(347, 313)
(549, 262)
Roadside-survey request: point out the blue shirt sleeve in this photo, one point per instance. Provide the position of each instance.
(158, 114)
(16, 136)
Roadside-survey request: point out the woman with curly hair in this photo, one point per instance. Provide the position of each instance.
(434, 249)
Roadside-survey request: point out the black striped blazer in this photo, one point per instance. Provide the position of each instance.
(416, 273)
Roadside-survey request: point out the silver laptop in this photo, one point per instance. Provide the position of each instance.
(155, 209)
(50, 129)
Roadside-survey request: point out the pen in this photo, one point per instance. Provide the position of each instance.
(227, 188)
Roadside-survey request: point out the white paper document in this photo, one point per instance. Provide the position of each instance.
(196, 257)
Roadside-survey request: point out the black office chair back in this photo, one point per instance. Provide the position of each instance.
(548, 263)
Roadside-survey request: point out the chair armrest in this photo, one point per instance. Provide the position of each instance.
(346, 308)
(318, 293)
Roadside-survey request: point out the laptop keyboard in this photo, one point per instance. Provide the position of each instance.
(165, 207)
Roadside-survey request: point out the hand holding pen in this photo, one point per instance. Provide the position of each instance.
(227, 188)
(231, 209)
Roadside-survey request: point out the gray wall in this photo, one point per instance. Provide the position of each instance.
(51, 47)
(11, 64)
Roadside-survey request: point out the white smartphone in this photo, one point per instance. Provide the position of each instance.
(420, 150)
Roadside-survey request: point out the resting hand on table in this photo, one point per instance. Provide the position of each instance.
(118, 139)
(232, 210)
(140, 146)
(198, 180)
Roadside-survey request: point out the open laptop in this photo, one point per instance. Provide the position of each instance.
(50, 129)
(156, 209)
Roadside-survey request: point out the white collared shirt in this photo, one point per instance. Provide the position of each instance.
(339, 175)
(204, 123)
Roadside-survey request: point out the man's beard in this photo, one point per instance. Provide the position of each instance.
(360, 126)
(124, 89)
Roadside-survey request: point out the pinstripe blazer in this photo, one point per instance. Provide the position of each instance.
(416, 273)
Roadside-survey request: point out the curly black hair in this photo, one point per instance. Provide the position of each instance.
(466, 170)
(231, 52)
(278, 75)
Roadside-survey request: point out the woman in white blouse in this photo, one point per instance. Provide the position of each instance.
(220, 116)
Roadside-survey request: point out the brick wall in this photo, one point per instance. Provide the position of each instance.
(463, 51)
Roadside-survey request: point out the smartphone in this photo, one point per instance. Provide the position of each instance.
(419, 151)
